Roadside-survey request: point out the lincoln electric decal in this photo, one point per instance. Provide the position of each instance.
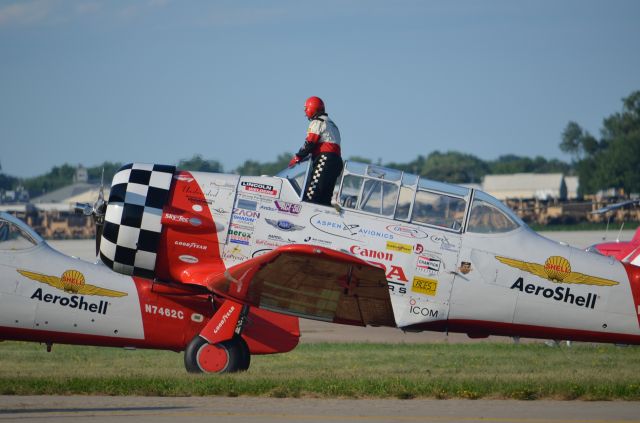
(557, 269)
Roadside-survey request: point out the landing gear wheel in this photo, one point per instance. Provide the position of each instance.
(202, 357)
(245, 357)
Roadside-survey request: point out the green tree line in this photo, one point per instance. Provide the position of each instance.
(608, 162)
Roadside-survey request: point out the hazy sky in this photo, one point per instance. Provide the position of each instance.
(160, 80)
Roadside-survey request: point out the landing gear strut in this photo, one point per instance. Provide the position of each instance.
(219, 348)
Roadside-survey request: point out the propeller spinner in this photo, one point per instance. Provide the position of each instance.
(97, 211)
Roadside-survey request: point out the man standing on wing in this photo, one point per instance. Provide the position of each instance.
(323, 143)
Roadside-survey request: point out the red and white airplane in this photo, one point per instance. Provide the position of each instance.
(221, 266)
(626, 251)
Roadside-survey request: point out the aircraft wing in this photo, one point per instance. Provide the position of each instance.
(311, 282)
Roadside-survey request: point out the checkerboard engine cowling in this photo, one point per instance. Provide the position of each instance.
(132, 222)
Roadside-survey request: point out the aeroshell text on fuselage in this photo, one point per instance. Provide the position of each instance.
(74, 301)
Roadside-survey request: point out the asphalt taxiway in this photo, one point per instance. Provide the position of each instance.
(268, 410)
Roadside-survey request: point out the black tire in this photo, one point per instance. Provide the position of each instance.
(226, 356)
(245, 357)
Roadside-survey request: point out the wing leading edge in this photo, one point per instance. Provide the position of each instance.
(311, 282)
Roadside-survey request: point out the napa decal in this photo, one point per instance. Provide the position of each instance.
(557, 269)
(426, 286)
(71, 282)
(399, 247)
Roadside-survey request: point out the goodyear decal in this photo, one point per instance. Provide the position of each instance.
(426, 286)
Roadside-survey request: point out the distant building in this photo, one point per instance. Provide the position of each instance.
(67, 194)
(573, 184)
(526, 186)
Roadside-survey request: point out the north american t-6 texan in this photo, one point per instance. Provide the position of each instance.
(222, 266)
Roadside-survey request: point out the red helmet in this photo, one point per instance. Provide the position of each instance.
(313, 107)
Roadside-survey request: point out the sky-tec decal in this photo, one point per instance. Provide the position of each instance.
(560, 293)
(557, 269)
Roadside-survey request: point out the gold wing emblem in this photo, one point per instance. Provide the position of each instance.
(79, 287)
(53, 281)
(533, 268)
(96, 290)
(581, 278)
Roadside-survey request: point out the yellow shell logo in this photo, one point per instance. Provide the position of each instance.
(72, 281)
(557, 268)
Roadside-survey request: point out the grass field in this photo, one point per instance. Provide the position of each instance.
(526, 371)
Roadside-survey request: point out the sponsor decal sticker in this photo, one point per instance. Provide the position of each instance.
(291, 208)
(190, 244)
(465, 267)
(259, 188)
(444, 242)
(345, 230)
(372, 254)
(284, 225)
(247, 204)
(557, 269)
(188, 259)
(418, 248)
(422, 311)
(401, 248)
(317, 241)
(428, 263)
(424, 286)
(560, 293)
(407, 232)
(72, 282)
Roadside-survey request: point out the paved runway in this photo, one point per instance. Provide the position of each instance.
(267, 410)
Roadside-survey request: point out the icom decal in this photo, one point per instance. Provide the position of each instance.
(73, 282)
(284, 225)
(557, 269)
(259, 188)
(407, 231)
(426, 286)
(422, 311)
(560, 294)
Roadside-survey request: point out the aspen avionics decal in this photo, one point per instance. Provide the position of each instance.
(73, 282)
(557, 269)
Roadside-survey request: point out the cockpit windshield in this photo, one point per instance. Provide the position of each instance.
(296, 175)
(14, 235)
(489, 215)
